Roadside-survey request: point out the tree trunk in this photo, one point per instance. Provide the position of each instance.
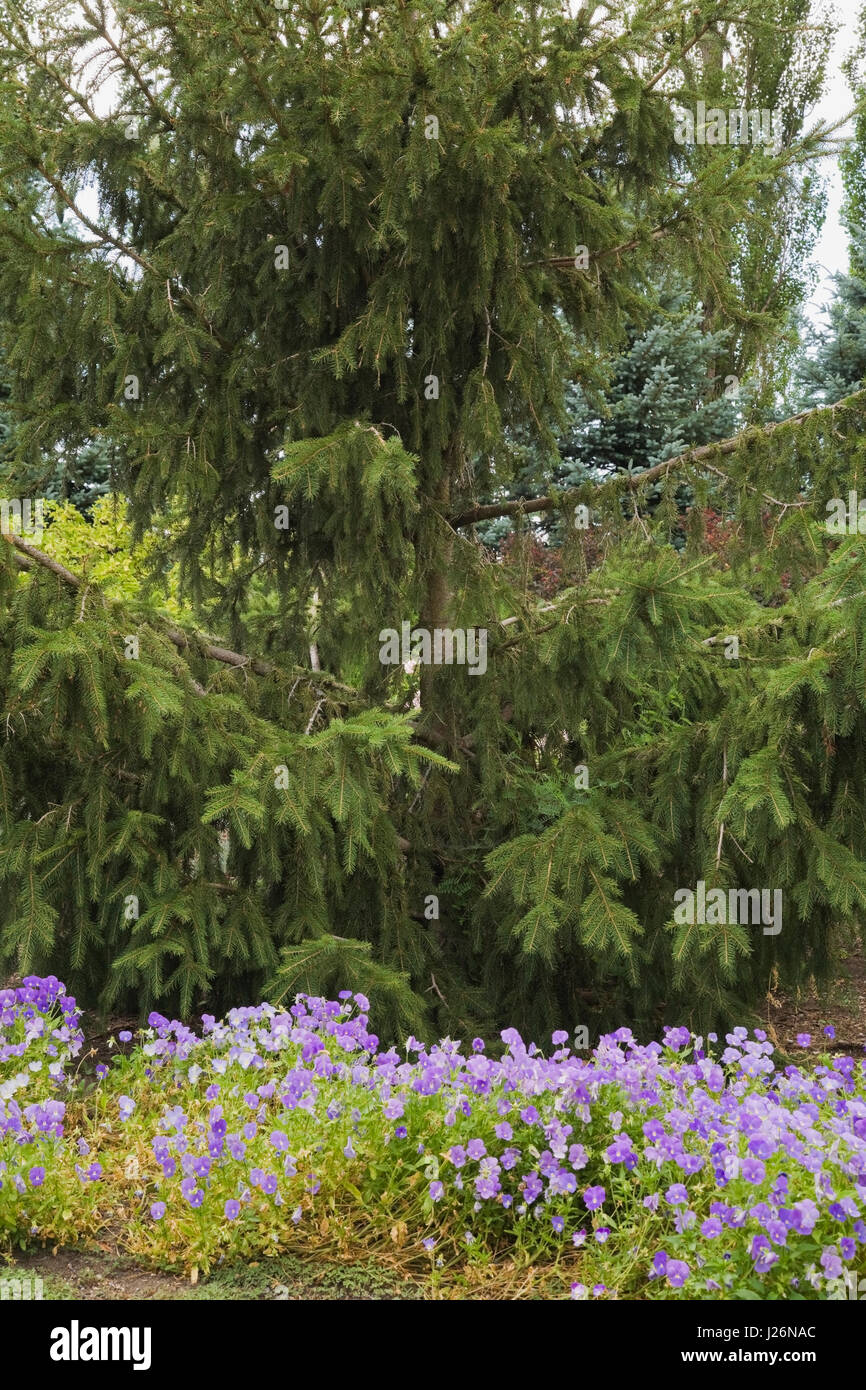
(437, 565)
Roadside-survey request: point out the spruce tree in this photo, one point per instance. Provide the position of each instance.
(315, 264)
(834, 361)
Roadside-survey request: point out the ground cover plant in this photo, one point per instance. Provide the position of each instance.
(319, 292)
(689, 1167)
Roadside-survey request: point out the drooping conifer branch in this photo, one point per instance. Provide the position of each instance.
(27, 554)
(631, 481)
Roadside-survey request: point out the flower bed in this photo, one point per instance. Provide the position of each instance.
(683, 1168)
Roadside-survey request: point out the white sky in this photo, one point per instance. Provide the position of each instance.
(831, 249)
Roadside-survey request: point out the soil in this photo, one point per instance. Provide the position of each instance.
(76, 1275)
(842, 1003)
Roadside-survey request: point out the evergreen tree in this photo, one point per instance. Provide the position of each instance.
(314, 262)
(662, 397)
(834, 363)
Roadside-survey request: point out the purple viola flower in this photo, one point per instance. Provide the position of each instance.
(620, 1150)
(561, 1180)
(690, 1163)
(753, 1170)
(806, 1215)
(269, 1184)
(476, 1148)
(594, 1198)
(125, 1036)
(677, 1195)
(830, 1032)
(804, 1039)
(830, 1262)
(777, 1231)
(765, 1261)
(531, 1187)
(711, 1228)
(437, 1191)
(125, 1105)
(157, 1210)
(677, 1272)
(232, 1209)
